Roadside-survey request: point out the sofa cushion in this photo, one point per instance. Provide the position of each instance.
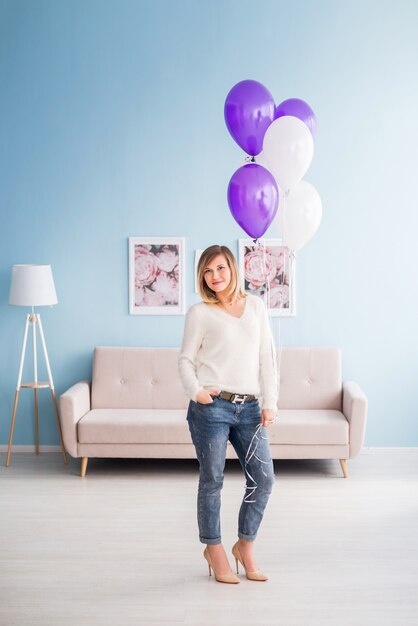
(310, 378)
(130, 378)
(164, 426)
(134, 426)
(306, 426)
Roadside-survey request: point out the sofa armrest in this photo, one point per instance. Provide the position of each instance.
(355, 410)
(74, 404)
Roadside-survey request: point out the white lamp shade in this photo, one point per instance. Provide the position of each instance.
(32, 285)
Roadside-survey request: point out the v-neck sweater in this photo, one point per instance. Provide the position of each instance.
(220, 351)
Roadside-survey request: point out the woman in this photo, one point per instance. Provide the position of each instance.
(227, 360)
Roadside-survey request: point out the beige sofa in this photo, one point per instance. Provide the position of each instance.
(135, 406)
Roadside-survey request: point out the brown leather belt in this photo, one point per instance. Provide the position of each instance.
(239, 398)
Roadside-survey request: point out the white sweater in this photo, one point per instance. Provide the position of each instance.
(223, 352)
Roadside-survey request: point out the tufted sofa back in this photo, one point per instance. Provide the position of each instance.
(310, 378)
(133, 378)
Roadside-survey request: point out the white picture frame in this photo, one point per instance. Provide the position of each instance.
(156, 275)
(267, 269)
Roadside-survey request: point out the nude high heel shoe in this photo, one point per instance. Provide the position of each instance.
(229, 577)
(256, 574)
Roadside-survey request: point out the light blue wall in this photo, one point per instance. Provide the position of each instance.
(112, 126)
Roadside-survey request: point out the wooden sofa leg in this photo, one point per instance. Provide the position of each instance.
(84, 466)
(344, 467)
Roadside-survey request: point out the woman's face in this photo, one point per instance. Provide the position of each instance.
(217, 274)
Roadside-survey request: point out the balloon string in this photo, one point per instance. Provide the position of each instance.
(268, 299)
(251, 452)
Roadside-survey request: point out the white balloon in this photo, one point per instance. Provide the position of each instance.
(278, 220)
(301, 214)
(288, 150)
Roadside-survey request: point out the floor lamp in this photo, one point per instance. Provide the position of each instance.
(31, 286)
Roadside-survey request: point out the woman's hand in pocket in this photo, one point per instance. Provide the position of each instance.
(205, 396)
(268, 416)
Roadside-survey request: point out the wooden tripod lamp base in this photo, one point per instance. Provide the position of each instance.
(34, 320)
(33, 285)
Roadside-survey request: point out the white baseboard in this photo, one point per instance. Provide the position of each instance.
(373, 450)
(31, 448)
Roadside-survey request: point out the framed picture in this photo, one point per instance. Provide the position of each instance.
(268, 271)
(198, 254)
(156, 276)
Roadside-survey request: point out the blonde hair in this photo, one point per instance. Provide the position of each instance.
(234, 288)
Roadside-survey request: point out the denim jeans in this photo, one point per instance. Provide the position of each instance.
(211, 425)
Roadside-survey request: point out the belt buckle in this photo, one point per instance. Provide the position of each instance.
(240, 398)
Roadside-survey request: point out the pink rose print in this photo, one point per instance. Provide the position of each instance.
(279, 258)
(257, 271)
(146, 266)
(167, 286)
(156, 275)
(146, 297)
(167, 259)
(279, 297)
(267, 274)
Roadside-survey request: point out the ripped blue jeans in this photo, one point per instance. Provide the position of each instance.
(211, 425)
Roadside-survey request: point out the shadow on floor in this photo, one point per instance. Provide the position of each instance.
(123, 466)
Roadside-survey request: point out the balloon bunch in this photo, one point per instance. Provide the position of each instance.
(282, 140)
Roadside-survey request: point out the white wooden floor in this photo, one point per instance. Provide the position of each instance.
(121, 546)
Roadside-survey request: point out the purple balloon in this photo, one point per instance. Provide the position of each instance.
(297, 108)
(253, 198)
(249, 111)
